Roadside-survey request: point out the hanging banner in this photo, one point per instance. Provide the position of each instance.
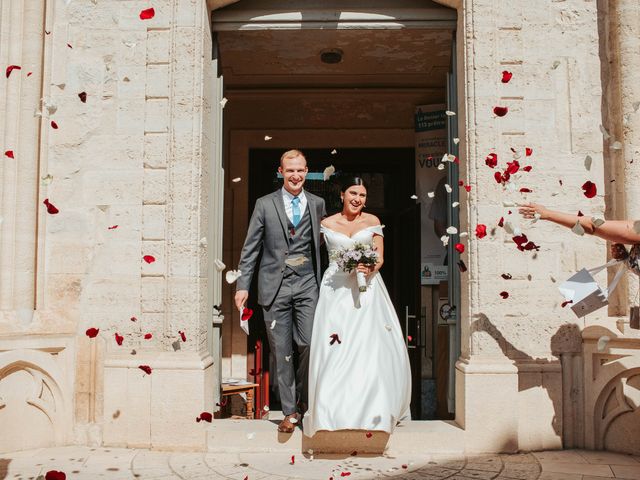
(431, 145)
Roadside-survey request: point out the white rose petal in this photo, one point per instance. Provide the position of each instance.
(463, 234)
(604, 132)
(440, 166)
(232, 275)
(616, 145)
(388, 327)
(267, 138)
(273, 325)
(414, 197)
(287, 357)
(455, 204)
(456, 140)
(602, 342)
(330, 170)
(223, 102)
(597, 222)
(251, 435)
(577, 229)
(431, 194)
(445, 240)
(266, 408)
(220, 266)
(452, 230)
(334, 151)
(293, 420)
(449, 113)
(236, 180)
(587, 162)
(448, 188)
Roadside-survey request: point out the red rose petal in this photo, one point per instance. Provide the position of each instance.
(182, 336)
(498, 177)
(467, 188)
(147, 14)
(51, 208)
(560, 181)
(119, 339)
(481, 230)
(334, 338)
(145, 368)
(527, 168)
(112, 227)
(55, 475)
(92, 332)
(513, 167)
(528, 151)
(54, 125)
(29, 74)
(293, 459)
(565, 303)
(9, 153)
(204, 416)
(149, 258)
(459, 247)
(500, 111)
(409, 338)
(83, 97)
(460, 183)
(345, 474)
(461, 266)
(369, 434)
(246, 313)
(506, 276)
(491, 160)
(580, 214)
(223, 402)
(501, 222)
(148, 336)
(11, 68)
(589, 188)
(506, 76)
(133, 319)
(405, 466)
(504, 295)
(525, 190)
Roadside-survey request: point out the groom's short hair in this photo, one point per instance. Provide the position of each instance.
(292, 154)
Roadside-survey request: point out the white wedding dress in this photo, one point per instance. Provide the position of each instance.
(364, 382)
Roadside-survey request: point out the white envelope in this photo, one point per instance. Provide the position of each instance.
(585, 293)
(244, 324)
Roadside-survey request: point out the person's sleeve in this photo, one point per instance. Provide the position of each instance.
(251, 248)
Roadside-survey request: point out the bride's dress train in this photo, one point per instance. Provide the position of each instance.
(363, 381)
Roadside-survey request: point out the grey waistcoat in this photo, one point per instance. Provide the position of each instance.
(300, 245)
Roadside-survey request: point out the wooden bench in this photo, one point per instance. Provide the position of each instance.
(248, 389)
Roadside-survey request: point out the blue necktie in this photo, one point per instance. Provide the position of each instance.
(295, 209)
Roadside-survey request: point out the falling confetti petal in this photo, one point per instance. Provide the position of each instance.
(616, 145)
(481, 230)
(445, 240)
(145, 368)
(492, 160)
(223, 102)
(330, 170)
(55, 475)
(204, 416)
(414, 197)
(83, 97)
(506, 76)
(506, 276)
(273, 325)
(448, 188)
(236, 180)
(590, 190)
(267, 138)
(293, 459)
(112, 227)
(149, 258)
(500, 111)
(456, 141)
(587, 162)
(459, 247)
(148, 336)
(232, 275)
(334, 151)
(602, 342)
(440, 166)
(147, 14)
(334, 338)
(9, 154)
(504, 295)
(251, 435)
(183, 336)
(54, 125)
(464, 234)
(287, 357)
(247, 313)
(92, 332)
(455, 204)
(605, 133)
(449, 113)
(220, 266)
(11, 68)
(431, 194)
(452, 230)
(461, 266)
(528, 151)
(51, 208)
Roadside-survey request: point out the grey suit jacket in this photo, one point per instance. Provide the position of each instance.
(268, 233)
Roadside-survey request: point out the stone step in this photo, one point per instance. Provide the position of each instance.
(234, 436)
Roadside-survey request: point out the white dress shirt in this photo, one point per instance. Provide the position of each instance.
(288, 208)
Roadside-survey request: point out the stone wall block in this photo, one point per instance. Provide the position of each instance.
(131, 81)
(157, 83)
(187, 11)
(132, 47)
(183, 259)
(153, 294)
(112, 257)
(155, 187)
(153, 222)
(116, 291)
(155, 150)
(158, 46)
(184, 220)
(130, 116)
(157, 116)
(112, 187)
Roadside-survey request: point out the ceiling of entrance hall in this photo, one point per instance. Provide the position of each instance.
(371, 58)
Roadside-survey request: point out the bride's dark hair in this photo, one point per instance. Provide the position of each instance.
(350, 181)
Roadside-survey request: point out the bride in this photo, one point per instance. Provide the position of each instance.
(359, 375)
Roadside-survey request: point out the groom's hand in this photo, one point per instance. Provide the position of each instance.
(241, 298)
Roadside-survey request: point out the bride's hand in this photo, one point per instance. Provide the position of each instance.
(366, 269)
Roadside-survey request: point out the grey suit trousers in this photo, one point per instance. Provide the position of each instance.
(292, 310)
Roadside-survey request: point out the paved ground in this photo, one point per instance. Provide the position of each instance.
(112, 463)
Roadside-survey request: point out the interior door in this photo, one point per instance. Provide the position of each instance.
(406, 260)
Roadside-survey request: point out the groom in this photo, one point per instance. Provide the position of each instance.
(285, 226)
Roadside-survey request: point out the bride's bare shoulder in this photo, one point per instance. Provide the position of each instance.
(330, 221)
(370, 220)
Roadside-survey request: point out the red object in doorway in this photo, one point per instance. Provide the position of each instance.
(258, 377)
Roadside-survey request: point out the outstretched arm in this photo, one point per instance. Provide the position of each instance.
(617, 231)
(250, 253)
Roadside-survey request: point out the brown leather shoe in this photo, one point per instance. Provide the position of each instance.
(286, 425)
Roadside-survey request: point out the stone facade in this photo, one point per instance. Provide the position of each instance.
(144, 154)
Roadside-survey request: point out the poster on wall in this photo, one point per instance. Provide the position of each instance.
(431, 145)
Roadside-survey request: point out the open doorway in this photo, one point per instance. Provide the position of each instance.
(321, 87)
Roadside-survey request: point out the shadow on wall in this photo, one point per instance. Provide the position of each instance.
(567, 339)
(4, 468)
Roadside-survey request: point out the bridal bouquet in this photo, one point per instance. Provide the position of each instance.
(348, 259)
